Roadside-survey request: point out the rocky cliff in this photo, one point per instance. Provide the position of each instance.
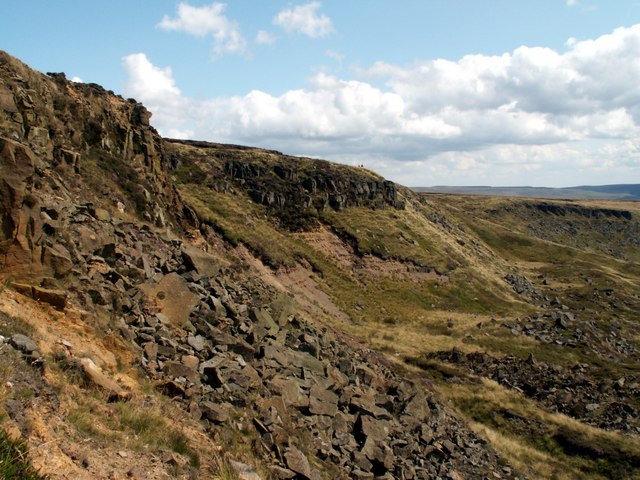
(92, 224)
(295, 189)
(180, 309)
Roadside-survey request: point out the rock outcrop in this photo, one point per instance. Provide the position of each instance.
(89, 221)
(295, 189)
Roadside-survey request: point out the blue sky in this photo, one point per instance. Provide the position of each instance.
(426, 92)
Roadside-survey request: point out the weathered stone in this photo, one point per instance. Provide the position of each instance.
(378, 453)
(190, 361)
(322, 401)
(58, 260)
(198, 342)
(369, 427)
(24, 344)
(297, 461)
(417, 407)
(151, 351)
(214, 412)
(55, 298)
(366, 404)
(282, 473)
(99, 379)
(263, 319)
(290, 391)
(102, 214)
(361, 461)
(244, 471)
(202, 262)
(175, 370)
(172, 296)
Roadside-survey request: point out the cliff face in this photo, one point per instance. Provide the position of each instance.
(61, 140)
(296, 190)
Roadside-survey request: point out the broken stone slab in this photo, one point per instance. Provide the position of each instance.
(190, 361)
(282, 473)
(366, 404)
(297, 462)
(322, 401)
(57, 259)
(214, 412)
(263, 318)
(368, 427)
(54, 297)
(198, 342)
(290, 391)
(173, 369)
(172, 297)
(417, 407)
(379, 453)
(200, 261)
(94, 375)
(303, 360)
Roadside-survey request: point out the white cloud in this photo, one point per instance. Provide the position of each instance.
(265, 38)
(156, 88)
(304, 19)
(533, 115)
(76, 79)
(571, 3)
(207, 20)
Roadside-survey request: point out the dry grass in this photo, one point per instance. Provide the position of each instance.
(537, 449)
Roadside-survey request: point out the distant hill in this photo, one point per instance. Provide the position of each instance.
(600, 192)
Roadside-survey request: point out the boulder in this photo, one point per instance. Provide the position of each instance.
(297, 462)
(244, 471)
(202, 262)
(216, 413)
(96, 377)
(322, 401)
(172, 297)
(24, 344)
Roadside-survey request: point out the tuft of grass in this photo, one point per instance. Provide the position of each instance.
(14, 464)
(12, 325)
(131, 424)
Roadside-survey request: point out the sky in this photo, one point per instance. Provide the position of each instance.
(425, 92)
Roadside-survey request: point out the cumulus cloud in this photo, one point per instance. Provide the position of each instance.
(304, 19)
(204, 21)
(76, 79)
(533, 113)
(265, 38)
(157, 89)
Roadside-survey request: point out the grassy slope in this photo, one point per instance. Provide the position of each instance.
(471, 247)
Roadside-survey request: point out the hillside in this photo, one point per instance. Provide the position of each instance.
(180, 309)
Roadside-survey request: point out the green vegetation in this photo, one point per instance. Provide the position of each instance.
(386, 233)
(14, 464)
(131, 425)
(431, 277)
(585, 452)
